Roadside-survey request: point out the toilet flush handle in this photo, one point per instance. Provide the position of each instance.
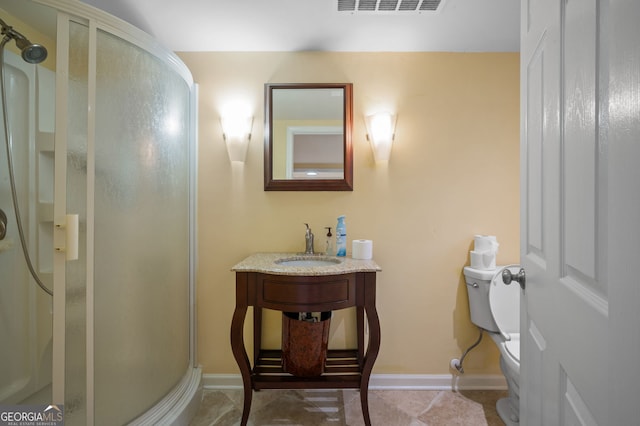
(520, 277)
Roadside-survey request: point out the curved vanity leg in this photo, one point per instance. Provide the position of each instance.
(360, 334)
(238, 348)
(364, 401)
(369, 359)
(373, 346)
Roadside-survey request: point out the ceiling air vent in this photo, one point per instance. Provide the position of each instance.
(388, 5)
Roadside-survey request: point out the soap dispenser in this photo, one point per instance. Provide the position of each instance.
(341, 237)
(329, 243)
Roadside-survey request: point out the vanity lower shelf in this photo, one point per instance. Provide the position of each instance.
(342, 371)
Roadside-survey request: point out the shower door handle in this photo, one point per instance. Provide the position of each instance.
(70, 226)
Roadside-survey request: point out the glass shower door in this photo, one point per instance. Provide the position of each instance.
(128, 178)
(141, 227)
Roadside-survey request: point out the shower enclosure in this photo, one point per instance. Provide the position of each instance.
(103, 130)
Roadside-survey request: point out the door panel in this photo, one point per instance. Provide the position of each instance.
(574, 409)
(580, 156)
(565, 310)
(580, 207)
(534, 154)
(580, 292)
(623, 232)
(540, 153)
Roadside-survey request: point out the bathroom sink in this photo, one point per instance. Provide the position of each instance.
(307, 261)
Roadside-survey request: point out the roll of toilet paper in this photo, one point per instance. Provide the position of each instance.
(482, 259)
(362, 249)
(476, 259)
(485, 243)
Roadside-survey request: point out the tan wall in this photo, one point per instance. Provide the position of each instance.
(453, 173)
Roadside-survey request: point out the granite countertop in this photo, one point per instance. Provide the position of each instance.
(266, 263)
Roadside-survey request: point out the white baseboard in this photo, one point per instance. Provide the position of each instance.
(222, 381)
(438, 381)
(391, 381)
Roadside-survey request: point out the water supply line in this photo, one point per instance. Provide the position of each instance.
(31, 57)
(457, 363)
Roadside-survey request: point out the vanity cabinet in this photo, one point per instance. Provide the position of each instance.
(345, 368)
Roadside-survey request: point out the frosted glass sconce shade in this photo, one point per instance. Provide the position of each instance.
(380, 132)
(236, 131)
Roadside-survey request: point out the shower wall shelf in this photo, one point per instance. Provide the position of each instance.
(45, 165)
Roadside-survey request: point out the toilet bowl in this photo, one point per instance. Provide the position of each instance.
(495, 307)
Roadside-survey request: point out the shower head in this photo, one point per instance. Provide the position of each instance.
(31, 52)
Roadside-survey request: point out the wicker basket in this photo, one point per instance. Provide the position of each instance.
(304, 344)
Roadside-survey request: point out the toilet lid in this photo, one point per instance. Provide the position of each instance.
(505, 304)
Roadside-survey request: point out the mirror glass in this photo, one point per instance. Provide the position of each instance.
(308, 137)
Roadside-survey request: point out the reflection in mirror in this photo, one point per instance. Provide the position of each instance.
(313, 152)
(308, 137)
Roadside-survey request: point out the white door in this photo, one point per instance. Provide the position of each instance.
(580, 212)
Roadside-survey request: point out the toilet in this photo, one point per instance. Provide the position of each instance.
(495, 307)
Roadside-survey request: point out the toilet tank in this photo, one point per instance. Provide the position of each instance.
(478, 285)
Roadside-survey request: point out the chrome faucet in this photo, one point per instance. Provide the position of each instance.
(308, 239)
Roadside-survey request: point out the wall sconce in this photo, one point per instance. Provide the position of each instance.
(236, 132)
(381, 132)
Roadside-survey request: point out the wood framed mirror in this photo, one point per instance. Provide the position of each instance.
(307, 137)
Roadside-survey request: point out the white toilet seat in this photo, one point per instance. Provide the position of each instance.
(509, 350)
(504, 303)
(513, 346)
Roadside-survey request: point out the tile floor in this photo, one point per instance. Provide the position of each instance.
(342, 408)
